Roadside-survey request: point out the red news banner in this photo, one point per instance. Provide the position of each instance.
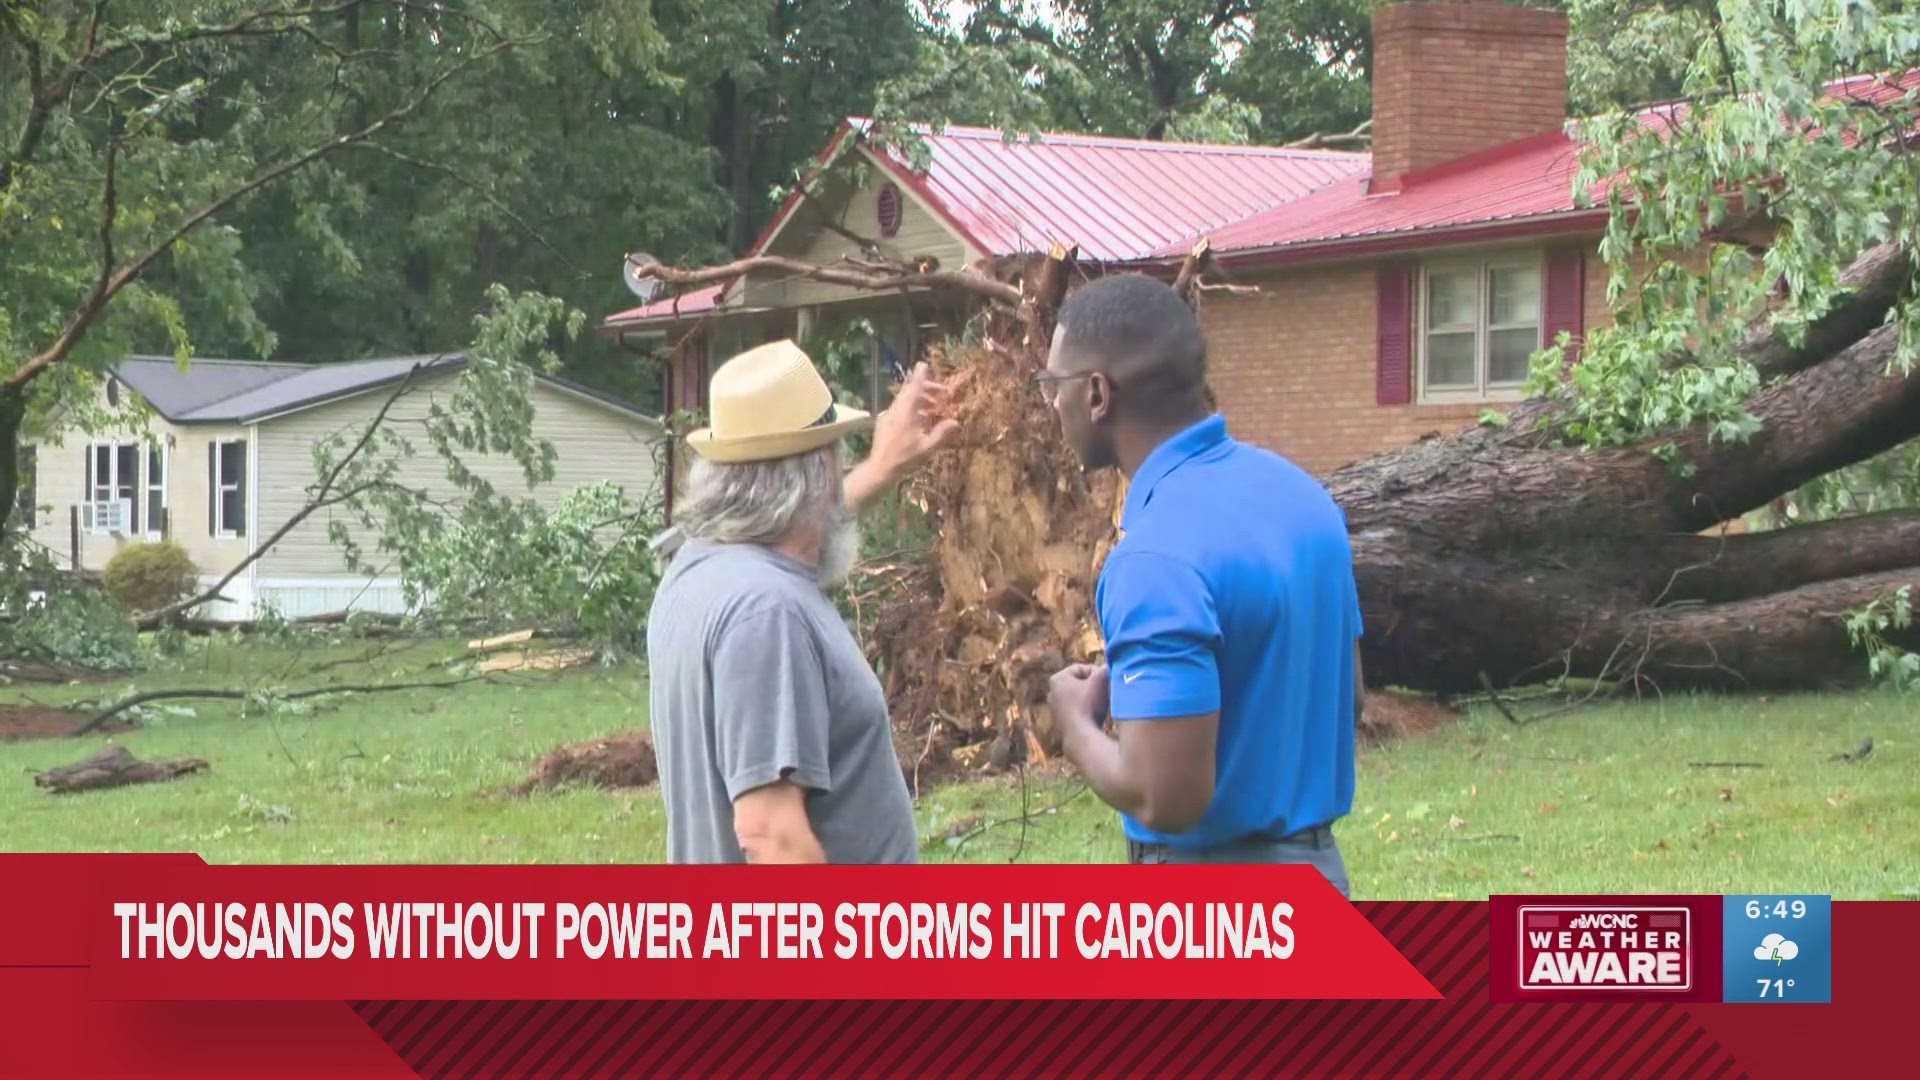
(575, 932)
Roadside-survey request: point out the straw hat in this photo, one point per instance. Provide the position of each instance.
(770, 402)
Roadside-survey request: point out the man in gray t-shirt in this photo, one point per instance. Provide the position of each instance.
(757, 679)
(771, 730)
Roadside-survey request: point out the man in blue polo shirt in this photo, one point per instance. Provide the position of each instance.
(1228, 606)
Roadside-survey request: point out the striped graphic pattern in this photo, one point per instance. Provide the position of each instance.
(1465, 1035)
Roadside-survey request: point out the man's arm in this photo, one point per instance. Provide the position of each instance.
(909, 430)
(1164, 682)
(866, 480)
(1359, 687)
(1160, 772)
(772, 826)
(770, 724)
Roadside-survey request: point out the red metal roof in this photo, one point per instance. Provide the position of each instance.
(1134, 200)
(1522, 186)
(673, 307)
(1119, 199)
(1529, 179)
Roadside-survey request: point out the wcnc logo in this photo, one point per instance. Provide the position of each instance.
(1628, 948)
(1602, 948)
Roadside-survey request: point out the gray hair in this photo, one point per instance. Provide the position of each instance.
(760, 502)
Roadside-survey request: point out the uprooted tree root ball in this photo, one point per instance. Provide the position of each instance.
(967, 635)
(967, 641)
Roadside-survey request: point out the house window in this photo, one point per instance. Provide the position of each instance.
(26, 502)
(112, 488)
(156, 490)
(1479, 327)
(227, 487)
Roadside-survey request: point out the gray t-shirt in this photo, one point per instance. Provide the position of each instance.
(756, 677)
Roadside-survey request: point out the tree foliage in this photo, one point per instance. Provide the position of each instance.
(346, 178)
(134, 138)
(1747, 201)
(50, 616)
(480, 556)
(1192, 70)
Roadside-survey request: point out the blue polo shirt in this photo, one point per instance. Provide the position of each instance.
(1232, 589)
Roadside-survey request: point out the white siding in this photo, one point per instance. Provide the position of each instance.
(60, 481)
(592, 444)
(299, 597)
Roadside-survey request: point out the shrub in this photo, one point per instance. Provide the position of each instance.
(147, 576)
(49, 615)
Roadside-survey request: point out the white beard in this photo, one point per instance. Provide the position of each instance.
(840, 549)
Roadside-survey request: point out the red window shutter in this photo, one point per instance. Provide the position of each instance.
(1564, 298)
(1393, 337)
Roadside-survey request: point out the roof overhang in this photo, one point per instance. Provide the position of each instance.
(661, 325)
(435, 370)
(1565, 223)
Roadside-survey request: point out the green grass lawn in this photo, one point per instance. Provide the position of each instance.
(1599, 800)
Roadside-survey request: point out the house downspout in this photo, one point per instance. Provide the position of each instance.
(253, 517)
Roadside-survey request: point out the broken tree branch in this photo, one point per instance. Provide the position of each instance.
(1189, 275)
(900, 278)
(225, 694)
(1361, 136)
(113, 766)
(107, 288)
(322, 497)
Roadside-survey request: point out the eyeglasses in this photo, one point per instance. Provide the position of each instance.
(1044, 381)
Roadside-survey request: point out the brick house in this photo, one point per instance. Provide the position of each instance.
(1399, 292)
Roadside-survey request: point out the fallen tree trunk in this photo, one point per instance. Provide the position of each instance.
(1492, 555)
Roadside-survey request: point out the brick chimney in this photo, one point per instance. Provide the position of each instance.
(1453, 78)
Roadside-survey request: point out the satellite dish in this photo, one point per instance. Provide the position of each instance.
(646, 288)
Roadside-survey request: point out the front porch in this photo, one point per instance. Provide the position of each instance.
(863, 344)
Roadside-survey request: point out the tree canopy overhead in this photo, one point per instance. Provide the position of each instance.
(1763, 251)
(343, 178)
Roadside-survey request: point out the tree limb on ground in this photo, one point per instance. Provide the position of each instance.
(113, 766)
(224, 694)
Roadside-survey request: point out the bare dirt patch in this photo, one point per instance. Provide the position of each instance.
(1391, 716)
(20, 723)
(613, 762)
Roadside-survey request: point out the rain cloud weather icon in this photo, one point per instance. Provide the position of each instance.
(1777, 948)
